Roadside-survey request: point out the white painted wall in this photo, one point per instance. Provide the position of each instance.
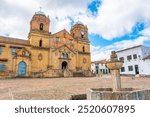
(100, 67)
(144, 65)
(93, 67)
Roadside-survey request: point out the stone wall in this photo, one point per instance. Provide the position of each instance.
(125, 94)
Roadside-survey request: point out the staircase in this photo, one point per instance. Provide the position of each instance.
(78, 74)
(68, 73)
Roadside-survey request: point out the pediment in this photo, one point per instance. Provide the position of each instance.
(23, 53)
(61, 33)
(65, 49)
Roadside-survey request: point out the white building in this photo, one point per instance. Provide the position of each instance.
(98, 67)
(136, 60)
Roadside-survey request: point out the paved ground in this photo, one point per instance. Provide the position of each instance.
(60, 88)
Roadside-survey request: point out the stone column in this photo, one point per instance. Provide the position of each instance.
(116, 80)
(114, 65)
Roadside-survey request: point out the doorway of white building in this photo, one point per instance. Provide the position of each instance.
(136, 69)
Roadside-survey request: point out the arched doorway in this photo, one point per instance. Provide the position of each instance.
(22, 69)
(64, 65)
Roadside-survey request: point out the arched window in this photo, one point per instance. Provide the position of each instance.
(41, 26)
(83, 49)
(40, 43)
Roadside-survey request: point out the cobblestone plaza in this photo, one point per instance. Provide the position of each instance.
(60, 88)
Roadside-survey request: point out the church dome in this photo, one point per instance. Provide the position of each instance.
(79, 22)
(40, 13)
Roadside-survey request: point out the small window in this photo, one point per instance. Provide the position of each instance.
(2, 67)
(82, 35)
(13, 51)
(83, 49)
(0, 50)
(57, 39)
(73, 35)
(129, 57)
(41, 26)
(70, 41)
(130, 68)
(122, 69)
(135, 56)
(139, 57)
(40, 43)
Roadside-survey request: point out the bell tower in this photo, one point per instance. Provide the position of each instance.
(39, 30)
(80, 33)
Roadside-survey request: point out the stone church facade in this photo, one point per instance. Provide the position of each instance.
(63, 54)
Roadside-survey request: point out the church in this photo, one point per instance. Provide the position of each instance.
(43, 54)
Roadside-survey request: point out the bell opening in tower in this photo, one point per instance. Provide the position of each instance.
(41, 26)
(82, 35)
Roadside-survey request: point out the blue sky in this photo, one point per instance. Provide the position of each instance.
(98, 40)
(112, 24)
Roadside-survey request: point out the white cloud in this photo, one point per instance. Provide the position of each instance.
(146, 32)
(99, 53)
(16, 14)
(117, 17)
(60, 24)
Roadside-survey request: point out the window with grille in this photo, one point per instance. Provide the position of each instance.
(135, 56)
(129, 57)
(13, 51)
(2, 67)
(130, 68)
(64, 55)
(0, 50)
(57, 39)
(122, 69)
